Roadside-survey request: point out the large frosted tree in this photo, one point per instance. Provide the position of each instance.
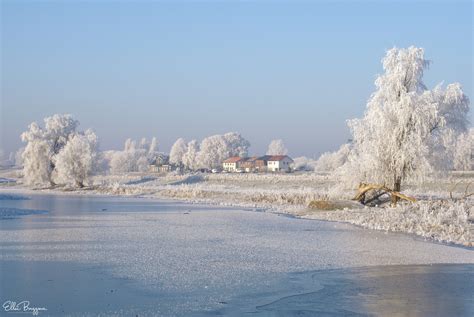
(44, 151)
(42, 144)
(404, 132)
(277, 147)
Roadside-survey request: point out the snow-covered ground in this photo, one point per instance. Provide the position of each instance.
(436, 216)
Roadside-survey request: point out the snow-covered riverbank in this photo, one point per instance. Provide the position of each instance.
(435, 216)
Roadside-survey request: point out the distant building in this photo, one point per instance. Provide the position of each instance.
(248, 164)
(278, 163)
(271, 163)
(160, 164)
(165, 168)
(231, 164)
(261, 164)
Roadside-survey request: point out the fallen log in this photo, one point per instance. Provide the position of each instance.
(381, 190)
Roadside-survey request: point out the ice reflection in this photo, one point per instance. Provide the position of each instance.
(425, 290)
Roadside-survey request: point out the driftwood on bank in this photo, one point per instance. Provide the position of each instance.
(376, 191)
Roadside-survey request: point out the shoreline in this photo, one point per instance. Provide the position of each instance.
(292, 212)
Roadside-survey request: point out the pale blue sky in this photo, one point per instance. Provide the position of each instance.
(286, 69)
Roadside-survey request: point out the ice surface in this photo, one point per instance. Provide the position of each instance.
(196, 256)
(12, 197)
(10, 213)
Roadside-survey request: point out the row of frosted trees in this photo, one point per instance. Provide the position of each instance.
(59, 154)
(213, 150)
(191, 156)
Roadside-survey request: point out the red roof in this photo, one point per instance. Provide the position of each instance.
(252, 159)
(233, 159)
(277, 157)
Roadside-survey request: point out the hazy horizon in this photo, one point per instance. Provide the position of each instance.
(291, 71)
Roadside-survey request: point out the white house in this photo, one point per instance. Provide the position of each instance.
(278, 163)
(231, 164)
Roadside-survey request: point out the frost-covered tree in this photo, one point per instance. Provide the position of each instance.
(130, 145)
(58, 129)
(135, 158)
(216, 148)
(464, 151)
(190, 157)
(404, 123)
(177, 151)
(144, 145)
(76, 161)
(120, 162)
(330, 161)
(277, 147)
(213, 151)
(303, 163)
(153, 146)
(37, 166)
(43, 144)
(236, 144)
(143, 165)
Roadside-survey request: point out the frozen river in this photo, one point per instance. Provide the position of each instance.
(78, 255)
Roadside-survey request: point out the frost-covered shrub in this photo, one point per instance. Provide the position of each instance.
(330, 161)
(303, 163)
(440, 220)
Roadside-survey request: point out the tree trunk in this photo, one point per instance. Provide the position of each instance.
(397, 185)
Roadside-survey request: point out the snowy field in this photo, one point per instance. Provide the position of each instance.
(127, 256)
(436, 216)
